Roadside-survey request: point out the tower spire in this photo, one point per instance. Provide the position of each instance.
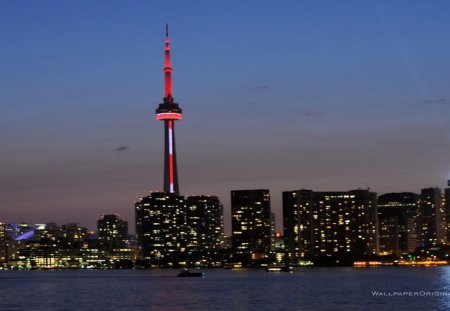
(168, 70)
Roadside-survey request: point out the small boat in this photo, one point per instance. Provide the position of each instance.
(189, 274)
(280, 269)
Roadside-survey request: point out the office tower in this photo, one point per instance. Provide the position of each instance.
(112, 231)
(161, 227)
(251, 226)
(431, 218)
(169, 112)
(397, 222)
(329, 224)
(204, 216)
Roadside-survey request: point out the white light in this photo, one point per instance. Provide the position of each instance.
(170, 141)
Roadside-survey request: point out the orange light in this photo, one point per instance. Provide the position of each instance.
(169, 116)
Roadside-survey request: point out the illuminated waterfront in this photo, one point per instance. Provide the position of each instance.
(306, 289)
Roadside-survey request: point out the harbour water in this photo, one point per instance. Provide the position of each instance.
(385, 288)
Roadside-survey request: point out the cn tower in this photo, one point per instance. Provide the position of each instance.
(169, 112)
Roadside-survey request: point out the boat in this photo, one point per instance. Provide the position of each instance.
(189, 274)
(280, 269)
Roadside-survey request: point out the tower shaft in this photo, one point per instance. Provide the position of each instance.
(170, 159)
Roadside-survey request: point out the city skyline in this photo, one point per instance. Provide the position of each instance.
(323, 97)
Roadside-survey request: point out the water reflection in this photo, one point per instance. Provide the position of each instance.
(306, 289)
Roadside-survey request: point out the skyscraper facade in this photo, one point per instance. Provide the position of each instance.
(397, 222)
(204, 220)
(446, 205)
(3, 244)
(161, 227)
(431, 218)
(329, 224)
(112, 231)
(251, 226)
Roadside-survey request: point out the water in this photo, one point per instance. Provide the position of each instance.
(306, 289)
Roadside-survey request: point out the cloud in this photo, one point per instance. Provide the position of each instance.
(122, 148)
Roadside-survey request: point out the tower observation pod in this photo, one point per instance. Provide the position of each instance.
(169, 112)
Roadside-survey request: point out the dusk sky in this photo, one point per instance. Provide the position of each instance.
(278, 95)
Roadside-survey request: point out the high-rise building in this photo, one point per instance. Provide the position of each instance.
(446, 204)
(113, 238)
(251, 226)
(397, 222)
(3, 244)
(161, 227)
(169, 112)
(112, 231)
(431, 218)
(329, 224)
(204, 221)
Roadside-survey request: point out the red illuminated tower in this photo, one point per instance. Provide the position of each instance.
(169, 112)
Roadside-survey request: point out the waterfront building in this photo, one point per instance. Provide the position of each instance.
(251, 226)
(112, 231)
(446, 204)
(72, 232)
(397, 222)
(161, 227)
(329, 226)
(17, 236)
(113, 238)
(204, 216)
(431, 219)
(48, 231)
(3, 245)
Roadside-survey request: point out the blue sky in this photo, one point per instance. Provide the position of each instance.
(329, 95)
